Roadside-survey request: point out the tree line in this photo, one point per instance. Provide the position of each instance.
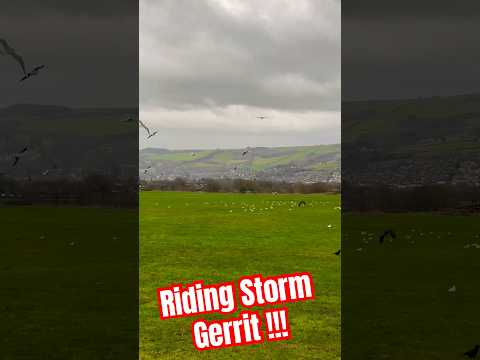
(240, 186)
(464, 198)
(91, 190)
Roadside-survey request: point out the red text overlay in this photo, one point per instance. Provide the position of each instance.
(250, 327)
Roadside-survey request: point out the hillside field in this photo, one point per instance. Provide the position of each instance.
(220, 237)
(68, 276)
(398, 292)
(316, 163)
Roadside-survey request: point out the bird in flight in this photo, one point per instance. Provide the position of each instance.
(150, 134)
(261, 117)
(245, 153)
(338, 252)
(16, 160)
(302, 203)
(6, 49)
(17, 156)
(452, 289)
(472, 354)
(381, 239)
(34, 72)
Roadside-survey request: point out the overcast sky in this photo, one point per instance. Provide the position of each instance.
(90, 49)
(208, 68)
(409, 48)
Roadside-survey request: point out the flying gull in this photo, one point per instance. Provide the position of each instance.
(16, 160)
(17, 156)
(150, 134)
(34, 72)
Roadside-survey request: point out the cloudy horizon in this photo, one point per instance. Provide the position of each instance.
(209, 69)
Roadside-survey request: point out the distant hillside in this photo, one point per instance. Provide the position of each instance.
(407, 142)
(291, 164)
(67, 142)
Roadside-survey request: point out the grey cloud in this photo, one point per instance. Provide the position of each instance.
(210, 54)
(91, 61)
(410, 9)
(37, 8)
(409, 57)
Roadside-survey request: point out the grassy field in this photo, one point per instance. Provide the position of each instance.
(395, 298)
(68, 283)
(220, 237)
(67, 276)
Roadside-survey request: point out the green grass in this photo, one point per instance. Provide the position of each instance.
(67, 280)
(182, 155)
(397, 292)
(296, 154)
(70, 300)
(324, 166)
(220, 237)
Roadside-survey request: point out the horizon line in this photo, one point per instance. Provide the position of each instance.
(241, 148)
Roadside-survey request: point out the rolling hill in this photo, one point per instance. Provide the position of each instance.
(291, 164)
(67, 142)
(411, 142)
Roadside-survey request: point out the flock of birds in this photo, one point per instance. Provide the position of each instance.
(386, 236)
(381, 239)
(389, 233)
(6, 49)
(150, 134)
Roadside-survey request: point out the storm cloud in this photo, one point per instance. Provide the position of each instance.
(90, 50)
(409, 49)
(210, 67)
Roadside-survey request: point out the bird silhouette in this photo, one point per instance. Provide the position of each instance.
(245, 153)
(302, 203)
(338, 252)
(152, 134)
(34, 72)
(381, 239)
(261, 117)
(17, 156)
(472, 354)
(8, 50)
(16, 160)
